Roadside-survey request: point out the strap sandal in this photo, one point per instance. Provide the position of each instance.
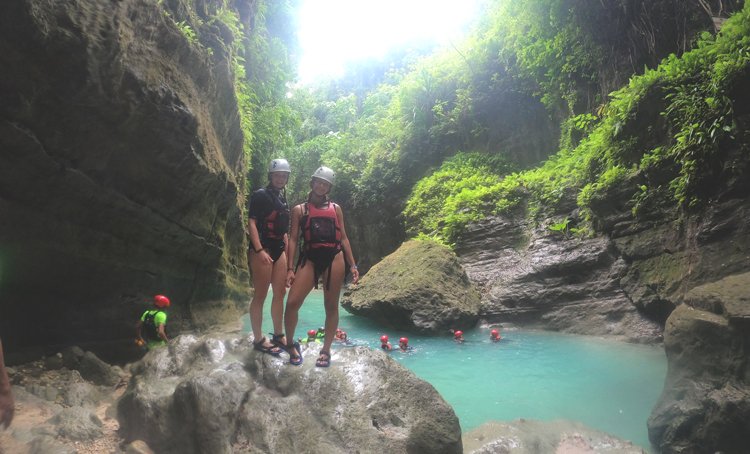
(295, 359)
(324, 360)
(278, 340)
(272, 350)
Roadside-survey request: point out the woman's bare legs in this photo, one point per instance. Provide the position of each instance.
(278, 285)
(331, 299)
(303, 283)
(263, 274)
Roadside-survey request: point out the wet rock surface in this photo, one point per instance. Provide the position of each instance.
(219, 395)
(420, 287)
(216, 394)
(548, 279)
(706, 397)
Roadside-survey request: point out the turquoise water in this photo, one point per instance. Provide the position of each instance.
(611, 386)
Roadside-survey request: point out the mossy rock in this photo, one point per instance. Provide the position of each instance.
(420, 287)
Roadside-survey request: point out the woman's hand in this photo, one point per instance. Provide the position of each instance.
(289, 277)
(265, 257)
(355, 274)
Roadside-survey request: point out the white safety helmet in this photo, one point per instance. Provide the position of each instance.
(279, 165)
(326, 174)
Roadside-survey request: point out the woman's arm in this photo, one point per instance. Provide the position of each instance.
(291, 248)
(254, 240)
(347, 247)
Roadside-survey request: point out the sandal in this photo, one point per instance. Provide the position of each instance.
(324, 360)
(278, 340)
(295, 359)
(272, 350)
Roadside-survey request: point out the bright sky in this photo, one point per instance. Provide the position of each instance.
(334, 32)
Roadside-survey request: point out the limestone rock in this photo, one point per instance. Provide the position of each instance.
(421, 286)
(78, 423)
(221, 396)
(705, 405)
(121, 171)
(547, 279)
(530, 437)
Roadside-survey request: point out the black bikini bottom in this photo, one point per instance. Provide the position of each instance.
(274, 248)
(321, 258)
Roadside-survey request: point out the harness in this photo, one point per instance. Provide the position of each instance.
(276, 223)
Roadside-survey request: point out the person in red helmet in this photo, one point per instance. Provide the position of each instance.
(151, 329)
(311, 337)
(403, 344)
(458, 336)
(384, 344)
(341, 335)
(495, 335)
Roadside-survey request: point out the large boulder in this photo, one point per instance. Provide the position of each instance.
(121, 171)
(421, 286)
(220, 396)
(705, 405)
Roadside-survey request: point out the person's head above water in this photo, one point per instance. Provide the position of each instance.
(384, 338)
(494, 333)
(311, 333)
(403, 341)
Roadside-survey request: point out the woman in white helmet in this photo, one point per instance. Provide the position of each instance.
(325, 254)
(267, 229)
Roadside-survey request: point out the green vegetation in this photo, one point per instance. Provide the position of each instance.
(528, 87)
(547, 106)
(666, 133)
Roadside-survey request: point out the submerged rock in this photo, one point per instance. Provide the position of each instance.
(532, 437)
(421, 286)
(220, 396)
(705, 405)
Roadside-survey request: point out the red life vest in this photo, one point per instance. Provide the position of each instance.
(321, 227)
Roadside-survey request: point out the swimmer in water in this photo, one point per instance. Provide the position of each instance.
(495, 335)
(311, 337)
(384, 344)
(458, 336)
(403, 344)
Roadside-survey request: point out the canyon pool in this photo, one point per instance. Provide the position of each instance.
(608, 385)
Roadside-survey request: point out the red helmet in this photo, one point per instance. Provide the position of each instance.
(383, 338)
(494, 332)
(161, 301)
(311, 332)
(403, 340)
(458, 333)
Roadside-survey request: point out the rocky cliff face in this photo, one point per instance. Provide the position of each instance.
(543, 278)
(627, 282)
(706, 398)
(120, 172)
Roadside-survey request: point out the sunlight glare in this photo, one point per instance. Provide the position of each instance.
(333, 33)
